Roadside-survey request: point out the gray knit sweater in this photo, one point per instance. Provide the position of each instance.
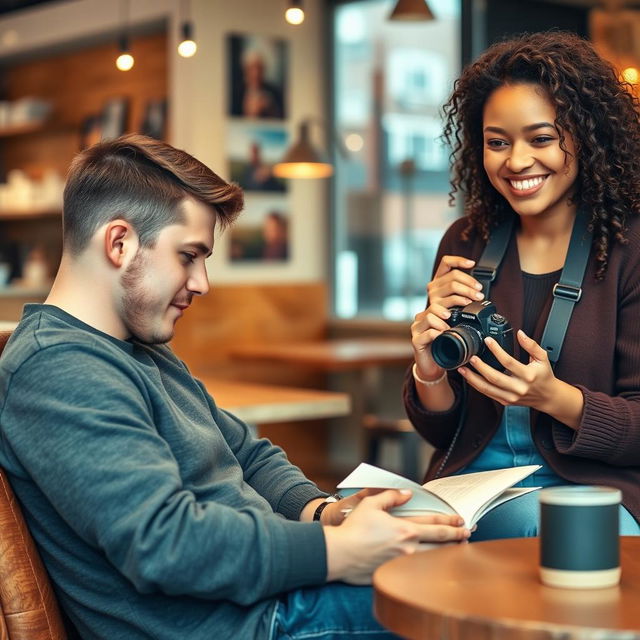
(157, 514)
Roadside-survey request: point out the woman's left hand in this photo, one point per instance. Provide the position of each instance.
(531, 385)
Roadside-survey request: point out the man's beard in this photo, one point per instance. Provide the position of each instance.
(138, 308)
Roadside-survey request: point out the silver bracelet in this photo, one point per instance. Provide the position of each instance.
(426, 383)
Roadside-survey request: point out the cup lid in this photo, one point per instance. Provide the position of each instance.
(580, 495)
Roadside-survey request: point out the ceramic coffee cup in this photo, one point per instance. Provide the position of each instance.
(579, 536)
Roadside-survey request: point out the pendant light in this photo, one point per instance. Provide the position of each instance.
(125, 60)
(187, 46)
(295, 13)
(411, 11)
(302, 160)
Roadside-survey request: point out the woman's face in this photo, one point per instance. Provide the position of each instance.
(522, 155)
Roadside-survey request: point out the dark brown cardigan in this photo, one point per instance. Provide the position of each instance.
(600, 356)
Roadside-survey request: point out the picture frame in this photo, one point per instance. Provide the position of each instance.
(114, 118)
(154, 119)
(253, 149)
(262, 233)
(258, 67)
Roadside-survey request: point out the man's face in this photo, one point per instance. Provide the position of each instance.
(160, 282)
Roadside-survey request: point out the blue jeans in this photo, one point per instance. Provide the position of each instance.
(519, 518)
(333, 611)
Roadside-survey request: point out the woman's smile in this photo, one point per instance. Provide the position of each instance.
(526, 186)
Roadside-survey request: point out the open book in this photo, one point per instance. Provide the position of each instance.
(470, 495)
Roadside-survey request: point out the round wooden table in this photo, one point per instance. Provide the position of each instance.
(491, 591)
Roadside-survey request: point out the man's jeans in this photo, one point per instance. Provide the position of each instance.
(331, 611)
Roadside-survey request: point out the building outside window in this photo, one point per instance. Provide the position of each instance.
(391, 187)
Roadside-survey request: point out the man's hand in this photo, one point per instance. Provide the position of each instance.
(335, 513)
(370, 536)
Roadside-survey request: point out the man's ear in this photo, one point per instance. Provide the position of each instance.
(120, 242)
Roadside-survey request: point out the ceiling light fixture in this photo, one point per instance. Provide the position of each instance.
(187, 46)
(302, 160)
(125, 60)
(295, 13)
(411, 11)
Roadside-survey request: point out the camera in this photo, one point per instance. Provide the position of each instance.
(470, 325)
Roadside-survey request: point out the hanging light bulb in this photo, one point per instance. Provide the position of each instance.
(187, 46)
(125, 60)
(294, 13)
(631, 75)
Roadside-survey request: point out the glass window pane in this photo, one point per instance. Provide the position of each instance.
(391, 187)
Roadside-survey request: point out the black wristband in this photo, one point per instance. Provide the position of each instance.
(323, 505)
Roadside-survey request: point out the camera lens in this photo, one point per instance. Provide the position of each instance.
(454, 347)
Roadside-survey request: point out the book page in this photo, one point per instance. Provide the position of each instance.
(472, 494)
(505, 496)
(421, 502)
(368, 476)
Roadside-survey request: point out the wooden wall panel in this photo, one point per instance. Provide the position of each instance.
(77, 84)
(237, 314)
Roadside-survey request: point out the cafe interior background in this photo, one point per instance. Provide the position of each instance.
(342, 257)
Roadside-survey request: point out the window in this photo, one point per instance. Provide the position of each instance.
(391, 187)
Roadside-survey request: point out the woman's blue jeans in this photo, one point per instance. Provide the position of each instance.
(520, 518)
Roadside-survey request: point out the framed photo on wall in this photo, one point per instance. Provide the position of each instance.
(261, 234)
(109, 123)
(154, 119)
(257, 76)
(253, 150)
(114, 118)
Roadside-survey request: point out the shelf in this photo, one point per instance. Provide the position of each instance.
(24, 292)
(22, 129)
(29, 214)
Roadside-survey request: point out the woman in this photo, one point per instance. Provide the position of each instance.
(541, 128)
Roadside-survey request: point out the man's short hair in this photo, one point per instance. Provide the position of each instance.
(143, 181)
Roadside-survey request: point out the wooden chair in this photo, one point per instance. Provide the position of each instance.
(28, 606)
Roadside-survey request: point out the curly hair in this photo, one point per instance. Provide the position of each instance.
(599, 111)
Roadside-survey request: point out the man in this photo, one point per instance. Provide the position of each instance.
(158, 514)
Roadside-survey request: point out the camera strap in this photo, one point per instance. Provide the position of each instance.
(486, 268)
(566, 292)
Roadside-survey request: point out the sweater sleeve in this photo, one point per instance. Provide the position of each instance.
(265, 465)
(88, 441)
(437, 428)
(609, 430)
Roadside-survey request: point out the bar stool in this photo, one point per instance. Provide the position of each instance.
(378, 429)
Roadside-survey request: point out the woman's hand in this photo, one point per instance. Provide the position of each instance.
(531, 385)
(450, 287)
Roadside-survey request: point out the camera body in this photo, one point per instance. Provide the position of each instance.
(469, 326)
